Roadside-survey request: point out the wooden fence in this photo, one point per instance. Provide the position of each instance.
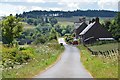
(108, 53)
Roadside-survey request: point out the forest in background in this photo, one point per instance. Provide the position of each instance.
(87, 13)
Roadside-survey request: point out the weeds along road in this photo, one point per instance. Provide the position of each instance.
(69, 66)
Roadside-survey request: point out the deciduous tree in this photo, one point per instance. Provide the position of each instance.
(11, 29)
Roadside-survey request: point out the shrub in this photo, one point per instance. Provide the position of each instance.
(41, 40)
(11, 56)
(22, 48)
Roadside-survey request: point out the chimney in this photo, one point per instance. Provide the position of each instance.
(90, 21)
(80, 20)
(97, 19)
(83, 19)
(93, 20)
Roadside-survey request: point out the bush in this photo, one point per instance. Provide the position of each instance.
(11, 56)
(40, 40)
(21, 58)
(22, 48)
(53, 34)
(69, 39)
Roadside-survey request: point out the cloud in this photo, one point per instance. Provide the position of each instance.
(6, 9)
(78, 1)
(108, 4)
(41, 1)
(47, 8)
(73, 5)
(18, 6)
(11, 0)
(36, 8)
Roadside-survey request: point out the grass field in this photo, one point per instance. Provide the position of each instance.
(99, 66)
(104, 47)
(69, 19)
(66, 23)
(76, 18)
(27, 26)
(43, 57)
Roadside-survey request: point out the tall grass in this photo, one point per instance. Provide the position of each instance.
(44, 55)
(99, 66)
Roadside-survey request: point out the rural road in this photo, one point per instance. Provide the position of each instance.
(69, 66)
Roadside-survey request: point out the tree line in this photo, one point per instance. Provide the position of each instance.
(88, 13)
(41, 20)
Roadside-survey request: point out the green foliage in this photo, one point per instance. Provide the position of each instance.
(62, 30)
(53, 21)
(30, 21)
(46, 20)
(35, 21)
(68, 14)
(11, 29)
(38, 35)
(41, 21)
(41, 40)
(53, 34)
(58, 28)
(44, 56)
(14, 56)
(44, 29)
(115, 29)
(69, 38)
(106, 24)
(113, 26)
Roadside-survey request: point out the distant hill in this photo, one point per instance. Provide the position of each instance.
(87, 13)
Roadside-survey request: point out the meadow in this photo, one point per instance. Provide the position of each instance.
(104, 47)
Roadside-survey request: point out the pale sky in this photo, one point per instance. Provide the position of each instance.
(19, 6)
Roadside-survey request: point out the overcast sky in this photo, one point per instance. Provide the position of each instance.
(19, 6)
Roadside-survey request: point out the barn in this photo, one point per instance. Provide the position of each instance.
(79, 27)
(94, 31)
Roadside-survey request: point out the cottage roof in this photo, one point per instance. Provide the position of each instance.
(77, 25)
(87, 28)
(106, 38)
(89, 38)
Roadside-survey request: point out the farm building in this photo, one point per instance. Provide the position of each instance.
(94, 31)
(79, 27)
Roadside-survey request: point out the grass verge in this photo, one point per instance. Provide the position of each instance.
(98, 66)
(43, 57)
